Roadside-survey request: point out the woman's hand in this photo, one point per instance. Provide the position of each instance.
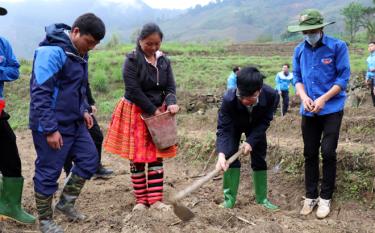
(174, 108)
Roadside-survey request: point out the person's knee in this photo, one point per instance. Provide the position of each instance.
(45, 182)
(259, 165)
(258, 161)
(87, 166)
(235, 164)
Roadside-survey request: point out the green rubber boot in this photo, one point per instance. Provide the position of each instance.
(231, 181)
(260, 187)
(10, 201)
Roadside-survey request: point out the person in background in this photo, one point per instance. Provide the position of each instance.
(232, 79)
(370, 75)
(283, 79)
(96, 135)
(11, 181)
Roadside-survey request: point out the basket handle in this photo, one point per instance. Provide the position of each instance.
(144, 118)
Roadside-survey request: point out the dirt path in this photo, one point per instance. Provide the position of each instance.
(109, 204)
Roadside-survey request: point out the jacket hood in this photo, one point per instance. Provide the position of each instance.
(56, 36)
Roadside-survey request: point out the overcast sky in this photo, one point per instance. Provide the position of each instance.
(171, 4)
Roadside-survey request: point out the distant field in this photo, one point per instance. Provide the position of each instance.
(198, 69)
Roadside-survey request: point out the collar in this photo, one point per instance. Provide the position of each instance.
(158, 54)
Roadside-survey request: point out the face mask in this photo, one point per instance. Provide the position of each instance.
(312, 38)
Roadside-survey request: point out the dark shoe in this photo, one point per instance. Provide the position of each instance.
(69, 196)
(10, 201)
(103, 172)
(49, 226)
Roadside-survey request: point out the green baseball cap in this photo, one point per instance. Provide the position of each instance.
(3, 11)
(309, 19)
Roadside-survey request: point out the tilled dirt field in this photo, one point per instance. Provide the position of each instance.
(108, 203)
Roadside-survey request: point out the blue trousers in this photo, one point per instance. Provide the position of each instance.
(49, 162)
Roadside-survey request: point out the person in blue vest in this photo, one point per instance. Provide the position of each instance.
(370, 75)
(11, 181)
(247, 109)
(59, 117)
(321, 71)
(283, 79)
(232, 79)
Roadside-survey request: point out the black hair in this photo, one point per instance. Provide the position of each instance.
(148, 29)
(90, 24)
(371, 42)
(235, 69)
(287, 65)
(249, 80)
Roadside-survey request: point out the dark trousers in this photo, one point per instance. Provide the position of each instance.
(97, 136)
(10, 163)
(49, 162)
(320, 132)
(257, 156)
(285, 97)
(372, 91)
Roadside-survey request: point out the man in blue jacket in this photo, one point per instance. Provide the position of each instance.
(11, 182)
(59, 115)
(247, 109)
(321, 71)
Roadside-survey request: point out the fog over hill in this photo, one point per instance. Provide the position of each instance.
(224, 20)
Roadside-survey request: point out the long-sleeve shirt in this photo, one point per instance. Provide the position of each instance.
(234, 119)
(283, 81)
(146, 85)
(232, 81)
(8, 68)
(320, 68)
(370, 66)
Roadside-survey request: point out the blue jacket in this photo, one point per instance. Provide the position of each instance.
(370, 65)
(283, 82)
(8, 65)
(321, 67)
(234, 119)
(232, 81)
(58, 84)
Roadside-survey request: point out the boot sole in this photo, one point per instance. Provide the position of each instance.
(5, 218)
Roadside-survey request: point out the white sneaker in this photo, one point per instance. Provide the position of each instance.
(323, 208)
(308, 206)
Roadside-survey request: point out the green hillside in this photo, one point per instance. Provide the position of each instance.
(247, 20)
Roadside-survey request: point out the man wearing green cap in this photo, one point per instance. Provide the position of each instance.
(11, 182)
(321, 72)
